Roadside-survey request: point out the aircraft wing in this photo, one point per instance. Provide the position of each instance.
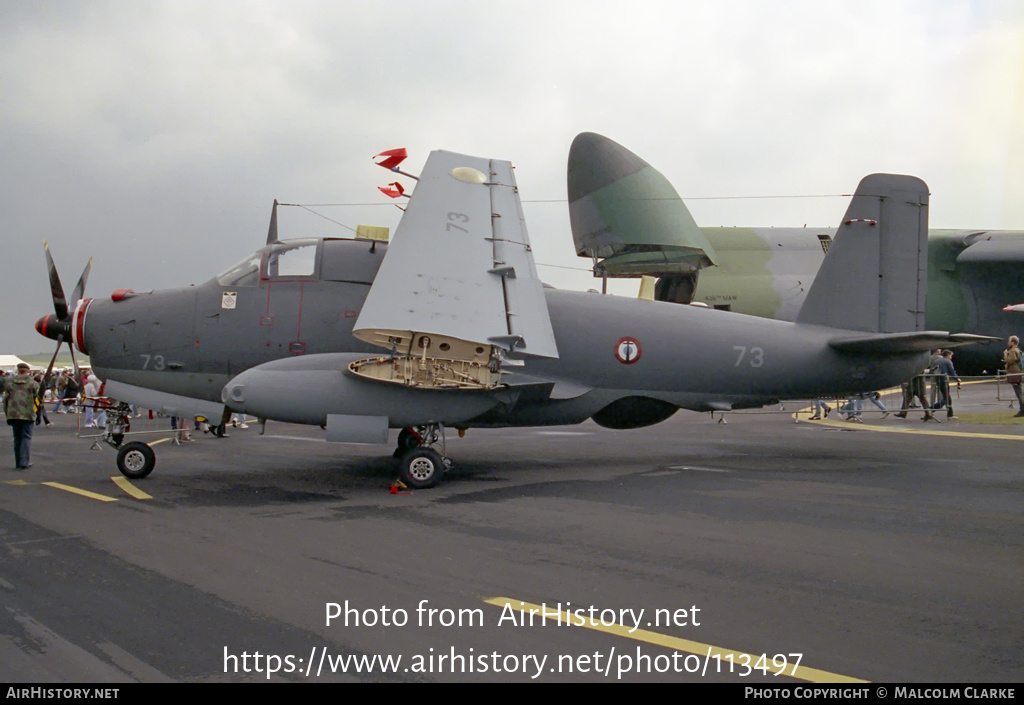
(460, 265)
(914, 341)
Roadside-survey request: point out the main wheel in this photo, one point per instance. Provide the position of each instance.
(422, 468)
(407, 440)
(135, 460)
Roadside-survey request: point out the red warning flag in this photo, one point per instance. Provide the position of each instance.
(392, 158)
(393, 192)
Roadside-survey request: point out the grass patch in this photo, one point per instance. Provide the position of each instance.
(63, 360)
(997, 418)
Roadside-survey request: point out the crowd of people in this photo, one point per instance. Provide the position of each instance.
(27, 393)
(938, 374)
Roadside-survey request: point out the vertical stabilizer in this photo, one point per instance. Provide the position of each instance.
(875, 275)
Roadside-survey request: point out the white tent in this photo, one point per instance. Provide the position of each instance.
(9, 363)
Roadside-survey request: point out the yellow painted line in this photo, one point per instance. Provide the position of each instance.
(733, 658)
(912, 431)
(17, 482)
(84, 493)
(125, 484)
(162, 440)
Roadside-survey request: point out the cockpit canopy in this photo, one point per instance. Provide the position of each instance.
(308, 259)
(281, 260)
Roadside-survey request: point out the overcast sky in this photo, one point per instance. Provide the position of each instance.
(155, 135)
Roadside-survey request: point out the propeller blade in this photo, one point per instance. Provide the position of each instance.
(49, 371)
(60, 304)
(79, 291)
(74, 362)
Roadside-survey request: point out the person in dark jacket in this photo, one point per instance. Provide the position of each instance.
(20, 394)
(944, 367)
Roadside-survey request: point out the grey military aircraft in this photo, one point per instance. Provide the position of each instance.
(629, 219)
(449, 326)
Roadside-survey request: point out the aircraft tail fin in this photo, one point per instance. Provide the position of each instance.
(875, 275)
(626, 214)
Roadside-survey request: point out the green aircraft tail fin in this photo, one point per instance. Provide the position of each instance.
(625, 213)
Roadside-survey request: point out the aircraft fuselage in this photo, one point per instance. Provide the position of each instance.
(285, 342)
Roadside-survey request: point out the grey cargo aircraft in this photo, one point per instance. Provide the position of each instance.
(449, 326)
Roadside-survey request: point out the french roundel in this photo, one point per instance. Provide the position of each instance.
(627, 350)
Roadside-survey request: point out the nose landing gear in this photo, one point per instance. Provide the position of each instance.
(420, 465)
(135, 460)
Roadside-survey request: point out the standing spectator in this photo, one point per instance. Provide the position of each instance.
(41, 412)
(944, 367)
(92, 392)
(58, 390)
(19, 405)
(71, 389)
(821, 410)
(914, 389)
(1011, 359)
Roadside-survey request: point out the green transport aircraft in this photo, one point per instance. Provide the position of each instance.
(629, 219)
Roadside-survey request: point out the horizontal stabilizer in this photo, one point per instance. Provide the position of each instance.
(915, 341)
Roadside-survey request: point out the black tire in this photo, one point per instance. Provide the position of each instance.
(421, 468)
(135, 460)
(407, 440)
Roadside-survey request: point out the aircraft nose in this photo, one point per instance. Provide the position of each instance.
(50, 327)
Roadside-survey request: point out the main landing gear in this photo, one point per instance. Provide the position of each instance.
(419, 465)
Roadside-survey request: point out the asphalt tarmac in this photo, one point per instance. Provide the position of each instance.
(691, 551)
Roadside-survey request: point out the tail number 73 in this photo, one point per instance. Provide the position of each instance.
(750, 356)
(157, 360)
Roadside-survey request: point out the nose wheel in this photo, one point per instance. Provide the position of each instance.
(135, 460)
